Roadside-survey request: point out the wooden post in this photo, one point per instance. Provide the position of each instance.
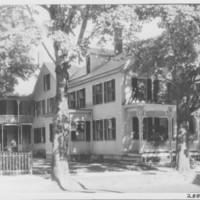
(18, 138)
(21, 137)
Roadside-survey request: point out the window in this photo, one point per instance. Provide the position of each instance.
(109, 91)
(72, 100)
(51, 132)
(98, 130)
(39, 135)
(40, 107)
(78, 131)
(43, 107)
(110, 129)
(81, 98)
(50, 105)
(46, 82)
(37, 108)
(97, 94)
(142, 89)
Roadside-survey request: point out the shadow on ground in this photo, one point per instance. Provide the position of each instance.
(43, 166)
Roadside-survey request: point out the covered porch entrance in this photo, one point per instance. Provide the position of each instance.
(15, 137)
(147, 123)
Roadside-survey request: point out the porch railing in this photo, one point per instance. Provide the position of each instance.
(15, 163)
(16, 119)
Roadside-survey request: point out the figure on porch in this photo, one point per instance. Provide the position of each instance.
(14, 145)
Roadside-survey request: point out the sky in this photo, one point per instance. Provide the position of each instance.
(26, 87)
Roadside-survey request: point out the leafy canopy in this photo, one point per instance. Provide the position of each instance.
(18, 37)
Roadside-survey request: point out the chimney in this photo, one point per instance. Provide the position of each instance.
(118, 40)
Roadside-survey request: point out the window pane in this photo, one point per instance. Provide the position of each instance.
(81, 98)
(97, 94)
(72, 100)
(109, 91)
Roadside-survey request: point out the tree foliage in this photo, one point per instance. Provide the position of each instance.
(18, 37)
(176, 51)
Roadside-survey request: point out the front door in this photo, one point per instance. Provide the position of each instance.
(135, 136)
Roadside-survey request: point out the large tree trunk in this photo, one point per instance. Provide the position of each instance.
(61, 129)
(182, 147)
(183, 164)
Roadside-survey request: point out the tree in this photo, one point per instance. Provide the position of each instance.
(17, 40)
(177, 50)
(67, 30)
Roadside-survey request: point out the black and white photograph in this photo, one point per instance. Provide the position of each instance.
(99, 100)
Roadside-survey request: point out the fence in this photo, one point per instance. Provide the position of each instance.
(15, 163)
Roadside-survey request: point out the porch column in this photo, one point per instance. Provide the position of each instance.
(21, 137)
(170, 115)
(18, 102)
(140, 115)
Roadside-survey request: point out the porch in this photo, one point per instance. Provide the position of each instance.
(144, 124)
(15, 137)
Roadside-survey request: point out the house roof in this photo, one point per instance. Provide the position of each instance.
(115, 63)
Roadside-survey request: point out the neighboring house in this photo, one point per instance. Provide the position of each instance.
(114, 110)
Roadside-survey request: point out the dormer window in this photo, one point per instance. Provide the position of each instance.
(88, 64)
(46, 80)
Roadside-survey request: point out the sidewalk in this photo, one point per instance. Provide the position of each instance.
(102, 178)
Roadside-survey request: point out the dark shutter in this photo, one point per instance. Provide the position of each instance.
(94, 130)
(113, 87)
(155, 90)
(88, 131)
(44, 82)
(149, 90)
(134, 88)
(105, 128)
(94, 94)
(105, 92)
(114, 128)
(135, 128)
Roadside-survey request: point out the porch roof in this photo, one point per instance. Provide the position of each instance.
(151, 110)
(150, 107)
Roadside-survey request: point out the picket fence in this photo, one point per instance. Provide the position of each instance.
(12, 163)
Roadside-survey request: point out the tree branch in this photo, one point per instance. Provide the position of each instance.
(84, 24)
(45, 7)
(49, 54)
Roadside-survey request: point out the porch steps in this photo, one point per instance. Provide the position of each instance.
(131, 159)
